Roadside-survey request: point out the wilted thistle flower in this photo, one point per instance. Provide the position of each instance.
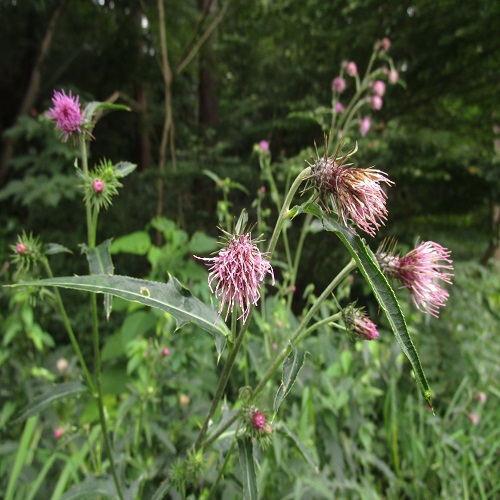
(358, 324)
(419, 271)
(67, 113)
(354, 193)
(239, 269)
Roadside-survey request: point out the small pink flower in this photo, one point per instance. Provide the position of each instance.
(385, 44)
(62, 366)
(482, 396)
(378, 86)
(420, 271)
(339, 108)
(21, 248)
(58, 432)
(262, 189)
(474, 418)
(393, 76)
(275, 346)
(364, 126)
(351, 68)
(165, 351)
(338, 84)
(67, 113)
(258, 420)
(239, 270)
(264, 145)
(97, 186)
(357, 192)
(376, 102)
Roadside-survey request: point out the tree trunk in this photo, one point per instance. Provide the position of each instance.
(31, 94)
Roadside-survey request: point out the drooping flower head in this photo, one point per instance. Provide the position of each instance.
(67, 113)
(358, 324)
(420, 271)
(338, 85)
(238, 269)
(353, 193)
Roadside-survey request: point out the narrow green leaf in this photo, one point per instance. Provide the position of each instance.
(124, 168)
(291, 368)
(247, 464)
(385, 297)
(162, 490)
(20, 459)
(93, 110)
(171, 297)
(54, 248)
(100, 262)
(50, 396)
(300, 446)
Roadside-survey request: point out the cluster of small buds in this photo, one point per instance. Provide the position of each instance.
(239, 269)
(419, 271)
(358, 324)
(356, 192)
(67, 113)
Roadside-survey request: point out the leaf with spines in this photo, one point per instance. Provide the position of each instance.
(171, 297)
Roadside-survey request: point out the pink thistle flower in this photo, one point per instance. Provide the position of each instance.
(165, 351)
(58, 432)
(264, 146)
(376, 102)
(258, 420)
(338, 85)
(22, 248)
(419, 271)
(351, 68)
(97, 186)
(356, 192)
(359, 324)
(384, 44)
(339, 108)
(67, 113)
(239, 270)
(364, 126)
(378, 86)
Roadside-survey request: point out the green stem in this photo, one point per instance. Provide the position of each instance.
(221, 386)
(286, 208)
(296, 337)
(69, 329)
(85, 170)
(325, 321)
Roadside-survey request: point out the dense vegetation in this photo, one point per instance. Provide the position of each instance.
(209, 86)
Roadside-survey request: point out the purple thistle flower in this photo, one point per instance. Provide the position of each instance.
(239, 270)
(264, 146)
(359, 324)
(258, 420)
(419, 271)
(67, 113)
(356, 192)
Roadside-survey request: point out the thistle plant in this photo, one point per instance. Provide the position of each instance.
(344, 198)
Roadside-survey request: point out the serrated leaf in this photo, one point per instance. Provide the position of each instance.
(55, 393)
(247, 464)
(124, 168)
(171, 297)
(385, 297)
(300, 446)
(291, 368)
(100, 262)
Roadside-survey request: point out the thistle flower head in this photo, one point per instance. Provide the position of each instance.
(420, 271)
(358, 324)
(351, 68)
(27, 251)
(384, 44)
(100, 185)
(338, 84)
(364, 126)
(238, 270)
(67, 113)
(264, 146)
(378, 87)
(376, 102)
(354, 193)
(339, 107)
